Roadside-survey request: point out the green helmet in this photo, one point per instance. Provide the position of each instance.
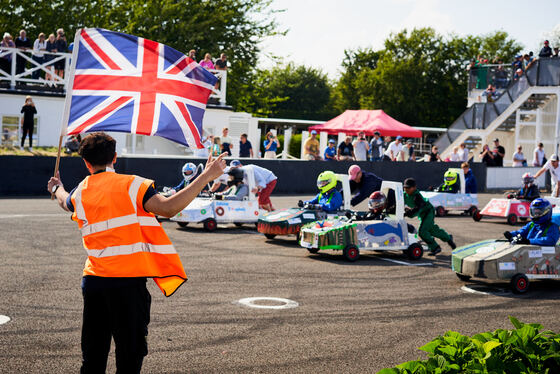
(450, 177)
(326, 181)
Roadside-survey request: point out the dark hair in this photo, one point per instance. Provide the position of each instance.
(97, 148)
(243, 135)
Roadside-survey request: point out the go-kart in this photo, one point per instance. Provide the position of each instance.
(211, 211)
(289, 221)
(513, 210)
(502, 260)
(445, 202)
(391, 234)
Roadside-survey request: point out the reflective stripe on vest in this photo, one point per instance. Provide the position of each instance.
(118, 222)
(130, 249)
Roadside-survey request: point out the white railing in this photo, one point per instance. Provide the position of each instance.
(219, 92)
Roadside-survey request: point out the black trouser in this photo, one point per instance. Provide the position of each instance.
(122, 313)
(27, 130)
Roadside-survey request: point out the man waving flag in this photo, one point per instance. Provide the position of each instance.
(125, 83)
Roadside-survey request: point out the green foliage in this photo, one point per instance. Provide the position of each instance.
(524, 349)
(295, 146)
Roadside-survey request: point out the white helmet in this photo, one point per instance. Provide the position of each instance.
(189, 171)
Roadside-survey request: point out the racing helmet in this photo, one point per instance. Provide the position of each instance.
(189, 171)
(450, 177)
(541, 211)
(377, 201)
(527, 178)
(237, 175)
(326, 181)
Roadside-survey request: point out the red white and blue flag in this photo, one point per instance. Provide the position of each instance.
(130, 84)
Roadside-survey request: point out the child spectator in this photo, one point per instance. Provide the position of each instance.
(330, 151)
(216, 147)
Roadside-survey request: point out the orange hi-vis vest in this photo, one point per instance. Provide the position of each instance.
(122, 239)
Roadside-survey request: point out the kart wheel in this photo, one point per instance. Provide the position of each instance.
(313, 250)
(238, 224)
(463, 277)
(415, 251)
(182, 224)
(519, 283)
(472, 210)
(512, 219)
(210, 224)
(351, 253)
(440, 211)
(270, 236)
(476, 215)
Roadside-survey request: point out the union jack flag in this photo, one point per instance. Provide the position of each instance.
(130, 84)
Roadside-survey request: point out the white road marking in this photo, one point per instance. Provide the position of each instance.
(33, 215)
(250, 302)
(499, 291)
(405, 263)
(4, 319)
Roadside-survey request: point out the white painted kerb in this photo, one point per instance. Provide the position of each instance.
(4, 319)
(250, 302)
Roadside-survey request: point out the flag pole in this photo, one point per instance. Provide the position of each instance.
(67, 100)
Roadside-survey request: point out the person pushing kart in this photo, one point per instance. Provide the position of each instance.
(450, 182)
(417, 205)
(329, 199)
(541, 230)
(529, 191)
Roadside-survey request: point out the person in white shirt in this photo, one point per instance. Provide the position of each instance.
(361, 147)
(394, 148)
(552, 166)
(39, 46)
(519, 159)
(203, 152)
(539, 155)
(456, 156)
(464, 152)
(265, 181)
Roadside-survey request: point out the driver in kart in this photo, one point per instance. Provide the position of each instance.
(541, 230)
(189, 171)
(529, 191)
(450, 182)
(237, 189)
(376, 204)
(329, 199)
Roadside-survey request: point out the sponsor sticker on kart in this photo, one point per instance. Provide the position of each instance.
(507, 266)
(294, 221)
(548, 250)
(535, 253)
(308, 216)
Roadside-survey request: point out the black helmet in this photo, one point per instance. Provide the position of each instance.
(237, 174)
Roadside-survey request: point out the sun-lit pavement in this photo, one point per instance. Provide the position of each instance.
(351, 318)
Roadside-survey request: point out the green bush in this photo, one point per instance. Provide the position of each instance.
(295, 146)
(524, 349)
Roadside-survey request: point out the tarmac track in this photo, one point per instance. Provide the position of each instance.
(352, 317)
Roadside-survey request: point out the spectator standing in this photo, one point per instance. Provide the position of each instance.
(501, 76)
(270, 146)
(216, 147)
(528, 61)
(434, 154)
(28, 121)
(464, 152)
(221, 63)
(517, 63)
(205, 151)
(245, 147)
(265, 181)
(311, 147)
(487, 156)
(545, 51)
(39, 47)
(61, 47)
(376, 147)
(207, 63)
(455, 156)
(51, 47)
(330, 151)
(539, 157)
(23, 43)
(393, 149)
(470, 181)
(346, 150)
(361, 147)
(410, 148)
(554, 168)
(227, 143)
(499, 153)
(6, 61)
(192, 54)
(519, 159)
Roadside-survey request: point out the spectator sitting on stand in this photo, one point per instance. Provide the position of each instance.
(376, 146)
(23, 43)
(519, 159)
(346, 150)
(330, 151)
(207, 62)
(393, 149)
(434, 154)
(487, 156)
(311, 147)
(270, 146)
(545, 51)
(245, 147)
(539, 157)
(361, 147)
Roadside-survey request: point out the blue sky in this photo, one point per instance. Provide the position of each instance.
(320, 30)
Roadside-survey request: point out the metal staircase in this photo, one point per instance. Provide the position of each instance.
(528, 94)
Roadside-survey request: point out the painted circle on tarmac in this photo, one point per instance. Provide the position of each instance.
(4, 319)
(278, 303)
(485, 290)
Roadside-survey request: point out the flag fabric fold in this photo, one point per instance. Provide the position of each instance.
(125, 83)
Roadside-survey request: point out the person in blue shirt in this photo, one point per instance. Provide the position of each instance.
(329, 199)
(470, 181)
(541, 230)
(364, 182)
(270, 146)
(330, 151)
